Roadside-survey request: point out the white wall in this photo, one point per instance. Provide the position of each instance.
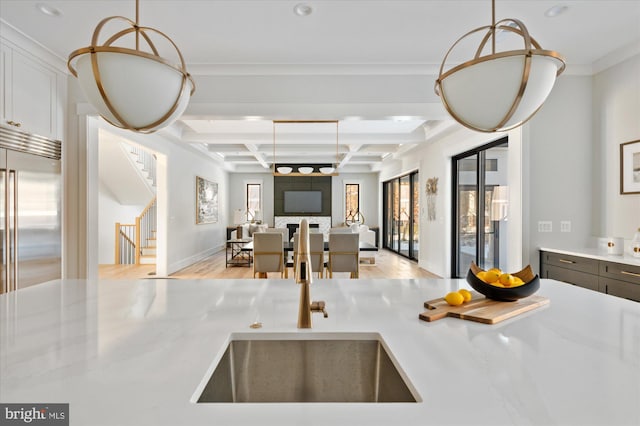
(180, 241)
(560, 185)
(369, 190)
(616, 115)
(111, 212)
(237, 194)
(368, 197)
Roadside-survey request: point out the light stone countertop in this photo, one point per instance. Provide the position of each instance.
(134, 352)
(597, 254)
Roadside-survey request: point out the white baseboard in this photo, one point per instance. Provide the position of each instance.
(181, 264)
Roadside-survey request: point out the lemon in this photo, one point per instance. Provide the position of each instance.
(496, 270)
(491, 277)
(497, 284)
(466, 294)
(482, 275)
(506, 279)
(454, 298)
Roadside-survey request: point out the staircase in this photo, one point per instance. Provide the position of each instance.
(136, 244)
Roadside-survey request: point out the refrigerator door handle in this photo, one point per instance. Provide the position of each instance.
(13, 195)
(5, 236)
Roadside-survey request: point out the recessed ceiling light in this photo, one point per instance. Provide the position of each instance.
(48, 10)
(253, 118)
(556, 10)
(302, 9)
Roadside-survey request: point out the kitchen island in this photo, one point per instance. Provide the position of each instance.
(134, 352)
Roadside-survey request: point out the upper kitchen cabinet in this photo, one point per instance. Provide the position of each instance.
(29, 94)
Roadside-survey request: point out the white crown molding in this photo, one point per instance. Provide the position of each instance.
(616, 57)
(336, 69)
(13, 36)
(312, 69)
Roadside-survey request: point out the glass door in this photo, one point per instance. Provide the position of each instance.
(480, 208)
(400, 212)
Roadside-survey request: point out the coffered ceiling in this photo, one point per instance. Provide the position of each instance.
(356, 38)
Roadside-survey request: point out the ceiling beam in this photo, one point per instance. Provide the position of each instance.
(254, 150)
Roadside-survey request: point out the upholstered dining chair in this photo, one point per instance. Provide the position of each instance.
(316, 247)
(268, 254)
(282, 231)
(344, 252)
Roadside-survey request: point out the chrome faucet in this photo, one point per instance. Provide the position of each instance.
(304, 277)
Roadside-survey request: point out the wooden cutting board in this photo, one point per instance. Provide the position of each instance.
(481, 309)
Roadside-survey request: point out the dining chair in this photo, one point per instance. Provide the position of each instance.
(283, 231)
(344, 254)
(316, 248)
(268, 254)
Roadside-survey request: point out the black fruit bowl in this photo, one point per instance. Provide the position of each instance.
(507, 294)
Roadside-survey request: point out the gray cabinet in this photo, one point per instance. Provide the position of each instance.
(613, 278)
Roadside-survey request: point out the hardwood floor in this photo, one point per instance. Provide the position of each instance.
(388, 265)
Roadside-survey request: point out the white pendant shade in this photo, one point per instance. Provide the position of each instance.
(284, 170)
(483, 94)
(327, 170)
(132, 88)
(141, 90)
(498, 90)
(305, 170)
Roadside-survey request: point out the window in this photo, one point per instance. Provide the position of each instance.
(352, 200)
(253, 198)
(480, 207)
(401, 211)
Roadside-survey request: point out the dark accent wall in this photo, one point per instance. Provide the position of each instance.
(301, 183)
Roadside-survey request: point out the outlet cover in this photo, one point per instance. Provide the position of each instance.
(565, 226)
(545, 226)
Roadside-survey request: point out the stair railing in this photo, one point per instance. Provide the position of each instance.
(146, 225)
(147, 160)
(125, 244)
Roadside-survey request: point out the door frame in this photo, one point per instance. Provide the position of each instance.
(480, 152)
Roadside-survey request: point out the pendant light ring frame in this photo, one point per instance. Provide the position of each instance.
(531, 48)
(107, 47)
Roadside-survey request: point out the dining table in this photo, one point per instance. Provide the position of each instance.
(288, 246)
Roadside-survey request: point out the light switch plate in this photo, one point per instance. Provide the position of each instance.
(565, 226)
(545, 226)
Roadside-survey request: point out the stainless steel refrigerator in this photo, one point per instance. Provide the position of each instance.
(30, 209)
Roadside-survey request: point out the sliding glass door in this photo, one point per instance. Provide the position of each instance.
(480, 208)
(401, 215)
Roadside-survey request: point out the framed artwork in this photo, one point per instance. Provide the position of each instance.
(206, 201)
(630, 167)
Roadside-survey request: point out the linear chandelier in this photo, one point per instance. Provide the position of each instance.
(306, 170)
(502, 90)
(133, 89)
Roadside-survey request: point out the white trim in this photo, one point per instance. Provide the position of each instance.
(183, 263)
(16, 39)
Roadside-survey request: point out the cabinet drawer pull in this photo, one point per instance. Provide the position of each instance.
(566, 261)
(13, 123)
(630, 273)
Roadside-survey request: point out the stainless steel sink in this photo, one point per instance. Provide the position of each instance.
(306, 367)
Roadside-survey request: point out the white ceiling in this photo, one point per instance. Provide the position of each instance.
(412, 37)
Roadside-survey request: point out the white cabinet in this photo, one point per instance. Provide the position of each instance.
(28, 92)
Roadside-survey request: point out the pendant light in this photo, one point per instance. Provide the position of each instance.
(501, 90)
(132, 88)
